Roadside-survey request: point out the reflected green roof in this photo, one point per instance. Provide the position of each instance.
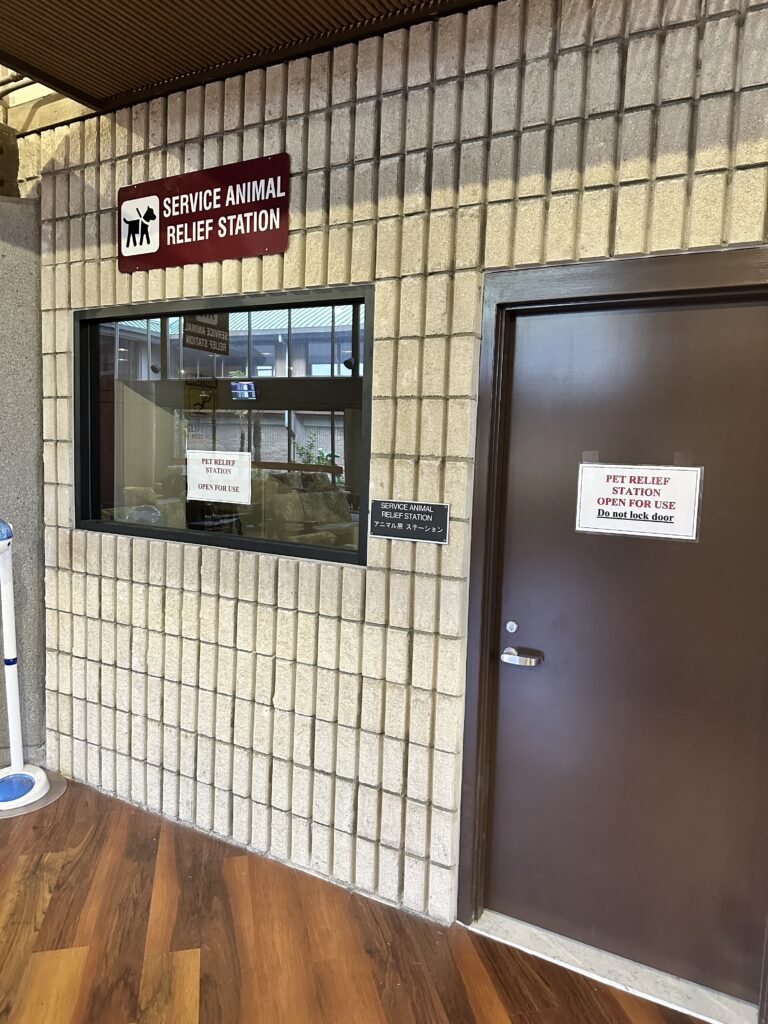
(271, 319)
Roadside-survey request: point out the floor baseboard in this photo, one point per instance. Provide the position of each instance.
(666, 989)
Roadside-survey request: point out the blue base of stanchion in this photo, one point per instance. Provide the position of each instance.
(13, 787)
(47, 789)
(22, 787)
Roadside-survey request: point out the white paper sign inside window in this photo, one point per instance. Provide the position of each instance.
(639, 501)
(219, 476)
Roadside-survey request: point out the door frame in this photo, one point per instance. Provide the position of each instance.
(726, 274)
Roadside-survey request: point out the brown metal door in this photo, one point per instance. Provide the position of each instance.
(628, 783)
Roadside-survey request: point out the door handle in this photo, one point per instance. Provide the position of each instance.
(523, 657)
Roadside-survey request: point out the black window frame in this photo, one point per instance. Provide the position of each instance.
(87, 427)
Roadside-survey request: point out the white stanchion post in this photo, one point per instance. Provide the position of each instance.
(21, 785)
(10, 656)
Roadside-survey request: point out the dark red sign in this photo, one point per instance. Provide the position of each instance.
(221, 213)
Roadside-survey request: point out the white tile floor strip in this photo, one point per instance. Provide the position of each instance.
(676, 993)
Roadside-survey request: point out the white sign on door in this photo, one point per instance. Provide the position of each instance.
(219, 476)
(639, 501)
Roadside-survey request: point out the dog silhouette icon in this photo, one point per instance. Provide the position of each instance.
(140, 225)
(138, 228)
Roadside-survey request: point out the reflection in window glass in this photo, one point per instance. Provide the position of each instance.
(269, 342)
(311, 341)
(344, 344)
(218, 383)
(236, 362)
(154, 332)
(174, 345)
(107, 350)
(131, 340)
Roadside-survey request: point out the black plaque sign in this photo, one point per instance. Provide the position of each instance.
(409, 520)
(207, 333)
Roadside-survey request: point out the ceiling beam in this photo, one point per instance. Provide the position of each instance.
(45, 78)
(415, 13)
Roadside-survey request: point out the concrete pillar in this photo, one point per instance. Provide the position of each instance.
(21, 454)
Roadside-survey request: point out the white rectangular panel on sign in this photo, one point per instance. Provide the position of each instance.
(639, 501)
(219, 476)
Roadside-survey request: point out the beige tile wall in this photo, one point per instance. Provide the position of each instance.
(307, 710)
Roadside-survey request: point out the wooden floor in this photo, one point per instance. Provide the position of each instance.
(111, 915)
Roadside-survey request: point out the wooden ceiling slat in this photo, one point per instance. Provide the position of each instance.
(109, 55)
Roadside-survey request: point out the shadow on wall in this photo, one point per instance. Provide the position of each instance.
(9, 162)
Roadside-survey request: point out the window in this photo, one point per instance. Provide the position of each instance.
(243, 422)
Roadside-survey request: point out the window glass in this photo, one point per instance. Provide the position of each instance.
(132, 341)
(344, 341)
(269, 403)
(155, 339)
(107, 350)
(360, 317)
(312, 341)
(236, 362)
(174, 345)
(269, 342)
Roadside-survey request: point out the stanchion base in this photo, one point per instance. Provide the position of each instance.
(22, 788)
